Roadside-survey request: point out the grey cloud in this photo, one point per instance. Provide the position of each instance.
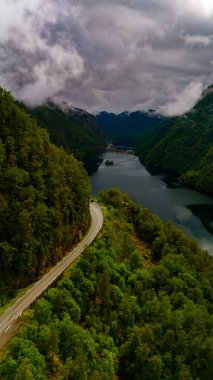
(197, 39)
(111, 55)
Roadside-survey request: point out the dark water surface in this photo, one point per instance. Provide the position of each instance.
(188, 209)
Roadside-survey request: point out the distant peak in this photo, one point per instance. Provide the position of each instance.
(65, 107)
(126, 113)
(70, 109)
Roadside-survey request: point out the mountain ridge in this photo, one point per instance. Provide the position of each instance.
(44, 198)
(127, 127)
(184, 145)
(74, 129)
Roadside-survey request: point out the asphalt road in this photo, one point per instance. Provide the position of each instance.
(9, 320)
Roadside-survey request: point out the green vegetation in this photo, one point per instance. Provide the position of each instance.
(137, 305)
(109, 163)
(44, 199)
(127, 127)
(184, 145)
(75, 130)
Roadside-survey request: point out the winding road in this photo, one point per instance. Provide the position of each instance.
(9, 320)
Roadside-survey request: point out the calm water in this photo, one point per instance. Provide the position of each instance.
(188, 209)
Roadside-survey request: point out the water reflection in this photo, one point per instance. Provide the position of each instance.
(162, 194)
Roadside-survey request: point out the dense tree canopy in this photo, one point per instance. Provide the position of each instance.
(137, 305)
(75, 130)
(184, 145)
(44, 198)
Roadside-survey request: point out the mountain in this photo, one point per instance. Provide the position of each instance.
(127, 127)
(72, 128)
(184, 145)
(44, 198)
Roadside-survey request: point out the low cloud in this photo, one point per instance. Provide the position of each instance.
(198, 40)
(183, 101)
(108, 55)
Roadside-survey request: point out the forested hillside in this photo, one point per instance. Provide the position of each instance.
(184, 145)
(137, 305)
(44, 198)
(127, 127)
(74, 129)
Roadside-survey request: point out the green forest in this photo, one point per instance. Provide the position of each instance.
(44, 199)
(136, 305)
(127, 128)
(76, 131)
(184, 145)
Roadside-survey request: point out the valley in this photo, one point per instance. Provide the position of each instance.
(140, 282)
(167, 198)
(106, 190)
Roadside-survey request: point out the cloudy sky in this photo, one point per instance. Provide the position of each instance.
(107, 55)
